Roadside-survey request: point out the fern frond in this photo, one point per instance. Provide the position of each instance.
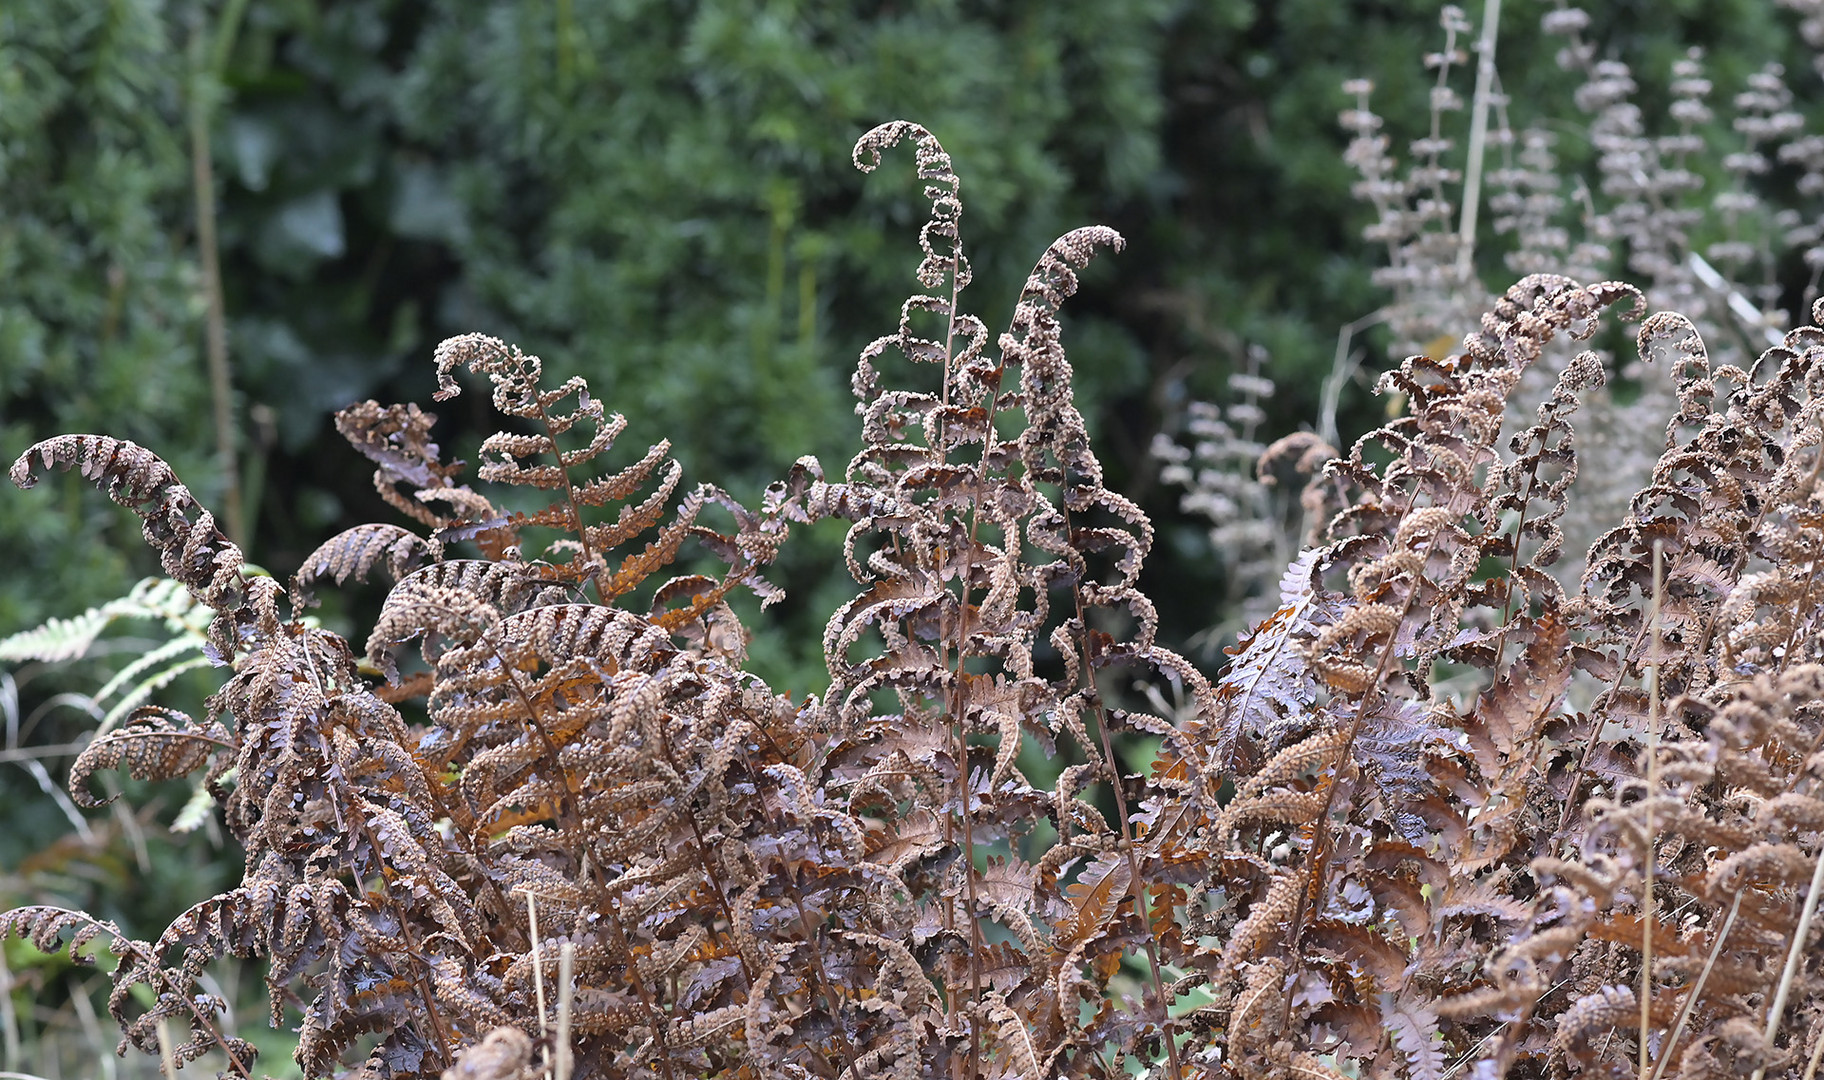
(397, 438)
(190, 546)
(148, 673)
(58, 640)
(1265, 695)
(155, 744)
(356, 552)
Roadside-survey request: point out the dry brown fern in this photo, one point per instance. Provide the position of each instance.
(863, 884)
(1384, 842)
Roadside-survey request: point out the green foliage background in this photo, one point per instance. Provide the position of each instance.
(658, 195)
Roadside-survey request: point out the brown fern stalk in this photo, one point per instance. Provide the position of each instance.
(1312, 893)
(571, 823)
(1647, 915)
(959, 706)
(953, 268)
(1136, 881)
(414, 949)
(824, 983)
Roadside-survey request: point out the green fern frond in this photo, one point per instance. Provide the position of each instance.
(159, 669)
(58, 639)
(196, 809)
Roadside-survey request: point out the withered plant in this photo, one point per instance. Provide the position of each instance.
(567, 834)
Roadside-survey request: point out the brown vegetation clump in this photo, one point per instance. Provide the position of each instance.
(565, 833)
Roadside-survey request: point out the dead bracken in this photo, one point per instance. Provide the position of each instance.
(572, 814)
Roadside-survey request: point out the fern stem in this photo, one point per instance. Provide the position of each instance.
(571, 821)
(387, 874)
(1571, 806)
(1697, 988)
(576, 510)
(959, 710)
(958, 705)
(823, 977)
(1320, 833)
(1647, 916)
(1513, 569)
(413, 949)
(709, 868)
(1136, 883)
(1794, 955)
(9, 1016)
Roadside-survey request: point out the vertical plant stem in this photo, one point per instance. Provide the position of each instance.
(1795, 954)
(843, 1046)
(709, 867)
(1697, 988)
(958, 705)
(538, 975)
(413, 949)
(1647, 916)
(1478, 139)
(227, 26)
(167, 1058)
(1313, 894)
(565, 1062)
(1136, 883)
(576, 512)
(204, 87)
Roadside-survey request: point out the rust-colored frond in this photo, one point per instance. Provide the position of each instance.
(356, 552)
(1447, 812)
(541, 461)
(190, 547)
(1094, 899)
(410, 477)
(154, 744)
(620, 485)
(1265, 697)
(939, 238)
(635, 519)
